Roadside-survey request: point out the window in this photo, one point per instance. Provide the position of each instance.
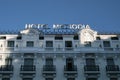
(76, 37)
(29, 55)
(41, 38)
(113, 78)
(28, 61)
(110, 61)
(49, 79)
(8, 61)
(59, 37)
(27, 79)
(30, 44)
(2, 37)
(49, 61)
(114, 38)
(5, 78)
(90, 61)
(49, 43)
(91, 79)
(19, 37)
(98, 38)
(10, 44)
(69, 64)
(70, 78)
(106, 43)
(87, 44)
(68, 43)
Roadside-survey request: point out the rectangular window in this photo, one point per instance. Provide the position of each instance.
(8, 61)
(27, 79)
(41, 38)
(49, 43)
(30, 44)
(98, 38)
(28, 61)
(113, 78)
(91, 79)
(106, 43)
(90, 61)
(10, 44)
(68, 43)
(49, 79)
(110, 61)
(114, 38)
(19, 37)
(49, 61)
(58, 37)
(70, 78)
(2, 37)
(69, 64)
(76, 37)
(5, 78)
(87, 44)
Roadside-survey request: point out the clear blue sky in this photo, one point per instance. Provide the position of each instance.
(101, 15)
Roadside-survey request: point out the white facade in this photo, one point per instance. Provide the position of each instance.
(82, 55)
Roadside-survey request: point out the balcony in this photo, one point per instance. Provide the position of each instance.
(49, 71)
(65, 49)
(91, 70)
(28, 70)
(112, 70)
(70, 71)
(6, 70)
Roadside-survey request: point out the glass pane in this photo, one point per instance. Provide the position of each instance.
(90, 61)
(5, 78)
(49, 43)
(110, 61)
(106, 43)
(28, 61)
(30, 44)
(10, 44)
(27, 79)
(49, 61)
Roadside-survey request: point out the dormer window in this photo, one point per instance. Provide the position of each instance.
(19, 37)
(76, 37)
(59, 37)
(114, 38)
(98, 38)
(2, 37)
(41, 37)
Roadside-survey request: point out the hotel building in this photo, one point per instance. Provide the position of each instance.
(60, 53)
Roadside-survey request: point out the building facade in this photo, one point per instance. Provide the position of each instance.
(59, 54)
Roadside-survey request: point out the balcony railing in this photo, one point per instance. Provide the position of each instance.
(70, 71)
(27, 68)
(72, 68)
(112, 70)
(91, 69)
(81, 49)
(6, 69)
(49, 70)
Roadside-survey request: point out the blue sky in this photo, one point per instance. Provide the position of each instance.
(101, 15)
